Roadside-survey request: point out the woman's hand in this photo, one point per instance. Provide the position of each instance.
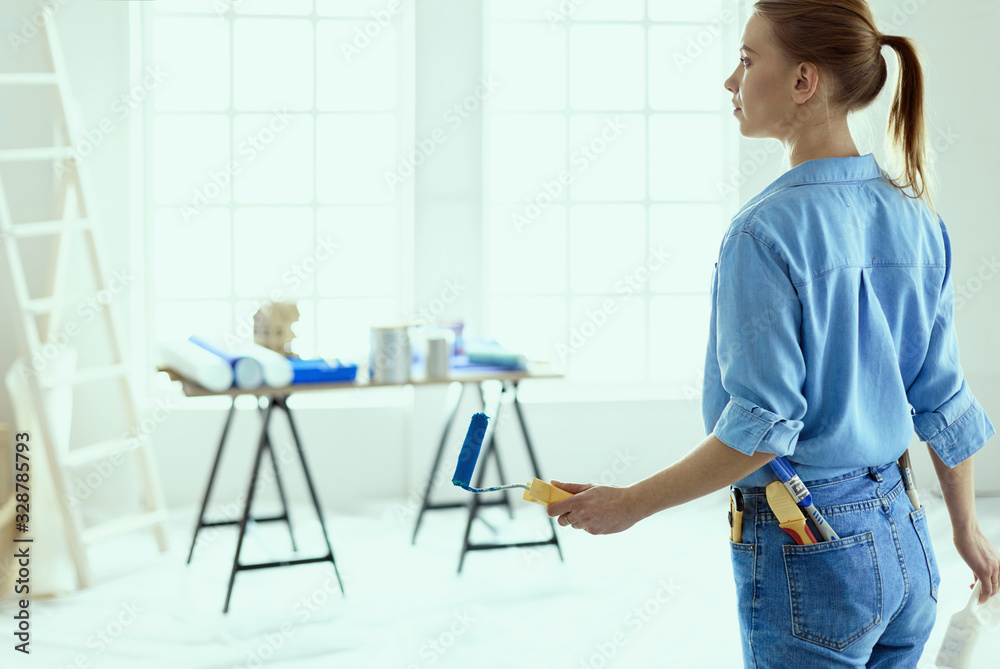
(982, 558)
(595, 509)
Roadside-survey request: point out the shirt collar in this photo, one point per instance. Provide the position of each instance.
(822, 170)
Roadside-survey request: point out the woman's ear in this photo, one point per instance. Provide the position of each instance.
(806, 82)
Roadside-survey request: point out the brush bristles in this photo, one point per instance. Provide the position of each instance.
(470, 450)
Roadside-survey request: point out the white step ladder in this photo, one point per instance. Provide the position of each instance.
(75, 220)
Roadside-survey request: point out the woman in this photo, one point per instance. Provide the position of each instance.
(832, 316)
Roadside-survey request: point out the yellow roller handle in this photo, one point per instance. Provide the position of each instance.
(544, 493)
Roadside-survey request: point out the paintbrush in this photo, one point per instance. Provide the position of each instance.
(788, 513)
(797, 489)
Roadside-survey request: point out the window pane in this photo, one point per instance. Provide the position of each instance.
(345, 326)
(193, 259)
(531, 326)
(356, 151)
(192, 6)
(180, 320)
(703, 11)
(685, 160)
(366, 258)
(273, 65)
(526, 156)
(555, 13)
(523, 9)
(527, 256)
(378, 12)
(603, 10)
(607, 249)
(607, 339)
(284, 7)
(275, 252)
(191, 155)
(351, 81)
(275, 156)
(679, 333)
(608, 157)
(682, 77)
(194, 54)
(690, 235)
(529, 63)
(607, 67)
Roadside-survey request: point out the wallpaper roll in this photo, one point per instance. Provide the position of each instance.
(194, 362)
(247, 372)
(277, 370)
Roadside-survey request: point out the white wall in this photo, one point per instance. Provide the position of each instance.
(94, 38)
(379, 444)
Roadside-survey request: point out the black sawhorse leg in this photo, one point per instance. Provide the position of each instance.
(202, 523)
(475, 504)
(432, 478)
(279, 401)
(277, 481)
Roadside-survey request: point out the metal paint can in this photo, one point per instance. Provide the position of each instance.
(389, 357)
(439, 347)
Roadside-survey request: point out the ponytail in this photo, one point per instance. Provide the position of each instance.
(907, 130)
(840, 37)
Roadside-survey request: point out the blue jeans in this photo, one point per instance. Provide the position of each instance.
(868, 599)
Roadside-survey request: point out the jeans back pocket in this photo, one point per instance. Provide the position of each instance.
(835, 590)
(919, 520)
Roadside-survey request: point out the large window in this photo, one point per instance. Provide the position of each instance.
(609, 154)
(608, 147)
(267, 144)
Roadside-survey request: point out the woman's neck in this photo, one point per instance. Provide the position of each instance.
(821, 141)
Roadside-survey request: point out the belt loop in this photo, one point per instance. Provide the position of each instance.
(874, 474)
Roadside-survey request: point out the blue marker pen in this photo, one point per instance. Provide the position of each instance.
(786, 474)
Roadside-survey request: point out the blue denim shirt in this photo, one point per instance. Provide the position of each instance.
(832, 327)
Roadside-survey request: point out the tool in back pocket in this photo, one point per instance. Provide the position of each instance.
(736, 516)
(788, 513)
(908, 483)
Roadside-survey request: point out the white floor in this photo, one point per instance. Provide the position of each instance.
(660, 595)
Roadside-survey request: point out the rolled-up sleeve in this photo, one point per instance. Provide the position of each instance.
(759, 350)
(946, 414)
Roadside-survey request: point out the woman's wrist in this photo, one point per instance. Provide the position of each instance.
(640, 500)
(965, 528)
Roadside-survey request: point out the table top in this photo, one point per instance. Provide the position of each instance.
(536, 370)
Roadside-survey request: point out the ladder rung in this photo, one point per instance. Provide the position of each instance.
(44, 305)
(123, 525)
(88, 375)
(41, 228)
(33, 78)
(85, 455)
(45, 153)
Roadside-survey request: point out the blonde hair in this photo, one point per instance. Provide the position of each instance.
(840, 37)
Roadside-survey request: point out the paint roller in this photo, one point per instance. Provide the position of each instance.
(536, 490)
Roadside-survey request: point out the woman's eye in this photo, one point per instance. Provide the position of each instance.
(745, 61)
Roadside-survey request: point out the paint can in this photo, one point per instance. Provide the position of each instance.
(389, 356)
(439, 348)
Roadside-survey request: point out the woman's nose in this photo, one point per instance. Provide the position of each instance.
(730, 83)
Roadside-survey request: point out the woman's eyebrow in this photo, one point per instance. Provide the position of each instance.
(744, 47)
